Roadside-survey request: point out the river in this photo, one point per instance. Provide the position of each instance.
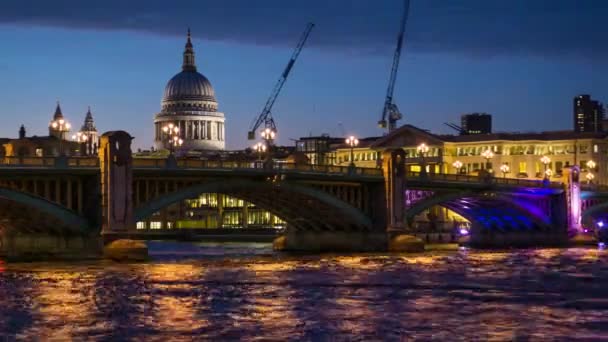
(246, 292)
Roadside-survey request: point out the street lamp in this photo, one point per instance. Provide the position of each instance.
(260, 148)
(268, 134)
(63, 126)
(172, 133)
(546, 160)
(422, 150)
(82, 139)
(504, 168)
(352, 142)
(487, 154)
(589, 177)
(590, 167)
(457, 165)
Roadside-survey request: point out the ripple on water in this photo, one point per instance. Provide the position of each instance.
(232, 291)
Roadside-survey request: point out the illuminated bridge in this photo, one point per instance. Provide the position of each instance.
(324, 207)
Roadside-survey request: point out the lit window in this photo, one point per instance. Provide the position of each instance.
(141, 225)
(522, 167)
(156, 225)
(595, 148)
(38, 152)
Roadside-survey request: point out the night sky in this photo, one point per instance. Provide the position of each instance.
(520, 60)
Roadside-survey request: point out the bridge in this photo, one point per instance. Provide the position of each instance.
(325, 207)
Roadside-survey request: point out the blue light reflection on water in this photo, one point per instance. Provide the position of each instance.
(245, 291)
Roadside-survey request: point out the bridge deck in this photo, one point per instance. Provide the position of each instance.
(182, 164)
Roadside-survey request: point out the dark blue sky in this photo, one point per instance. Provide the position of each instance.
(521, 60)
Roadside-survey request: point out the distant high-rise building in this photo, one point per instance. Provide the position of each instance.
(476, 123)
(588, 114)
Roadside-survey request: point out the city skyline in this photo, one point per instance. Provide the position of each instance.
(119, 68)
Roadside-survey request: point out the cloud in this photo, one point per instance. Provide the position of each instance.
(475, 27)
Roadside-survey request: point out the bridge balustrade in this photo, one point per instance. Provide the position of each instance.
(28, 161)
(83, 162)
(450, 177)
(49, 162)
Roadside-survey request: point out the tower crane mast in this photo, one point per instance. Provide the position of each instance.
(390, 110)
(265, 116)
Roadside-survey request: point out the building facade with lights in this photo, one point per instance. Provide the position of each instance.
(189, 104)
(58, 142)
(520, 153)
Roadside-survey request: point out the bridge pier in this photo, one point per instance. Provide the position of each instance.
(393, 165)
(116, 164)
(44, 247)
(330, 241)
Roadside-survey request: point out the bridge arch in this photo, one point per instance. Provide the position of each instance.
(302, 207)
(484, 210)
(69, 220)
(595, 210)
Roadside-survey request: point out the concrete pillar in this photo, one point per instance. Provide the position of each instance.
(394, 181)
(245, 214)
(80, 204)
(116, 163)
(68, 194)
(220, 210)
(47, 189)
(571, 181)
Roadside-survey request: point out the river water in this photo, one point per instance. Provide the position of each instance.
(246, 292)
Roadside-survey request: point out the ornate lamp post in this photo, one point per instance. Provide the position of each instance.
(172, 135)
(504, 168)
(457, 165)
(260, 148)
(422, 150)
(62, 126)
(590, 176)
(546, 160)
(352, 142)
(268, 134)
(82, 139)
(487, 155)
(590, 167)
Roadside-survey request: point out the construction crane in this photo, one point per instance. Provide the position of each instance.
(265, 116)
(390, 110)
(455, 127)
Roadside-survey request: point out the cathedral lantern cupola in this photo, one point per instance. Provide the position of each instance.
(59, 127)
(88, 136)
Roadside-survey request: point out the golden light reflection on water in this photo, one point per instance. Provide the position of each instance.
(466, 295)
(178, 313)
(61, 302)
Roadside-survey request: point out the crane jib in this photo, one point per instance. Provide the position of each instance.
(264, 116)
(288, 68)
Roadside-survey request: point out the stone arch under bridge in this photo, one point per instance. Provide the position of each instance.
(23, 212)
(594, 206)
(303, 207)
(489, 210)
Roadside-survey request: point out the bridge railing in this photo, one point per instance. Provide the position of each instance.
(28, 161)
(49, 162)
(458, 178)
(256, 165)
(160, 163)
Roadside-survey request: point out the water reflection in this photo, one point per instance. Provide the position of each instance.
(225, 293)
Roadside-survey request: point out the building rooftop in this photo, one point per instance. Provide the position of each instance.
(516, 136)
